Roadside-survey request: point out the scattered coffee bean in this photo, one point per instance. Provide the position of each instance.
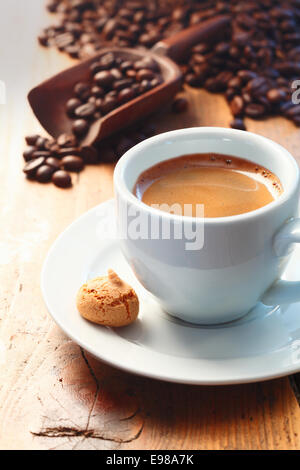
(42, 165)
(89, 154)
(44, 173)
(180, 105)
(238, 124)
(64, 151)
(66, 140)
(31, 167)
(28, 154)
(237, 105)
(124, 144)
(72, 163)
(41, 142)
(31, 139)
(62, 179)
(276, 95)
(53, 162)
(255, 110)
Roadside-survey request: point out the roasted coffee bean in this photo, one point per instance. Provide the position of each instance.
(110, 28)
(108, 104)
(44, 173)
(92, 100)
(222, 48)
(237, 105)
(276, 95)
(192, 79)
(293, 111)
(144, 74)
(126, 94)
(72, 163)
(214, 85)
(107, 154)
(238, 124)
(85, 110)
(111, 94)
(53, 162)
(116, 74)
(89, 154)
(28, 154)
(284, 107)
(246, 75)
(149, 129)
(31, 167)
(145, 86)
(43, 40)
(180, 105)
(235, 82)
(64, 40)
(66, 140)
(62, 152)
(62, 179)
(80, 127)
(53, 147)
(72, 104)
(96, 67)
(97, 91)
(230, 93)
(255, 110)
(146, 63)
(104, 78)
(82, 90)
(41, 142)
(73, 51)
(288, 69)
(256, 84)
(124, 144)
(126, 65)
(31, 139)
(131, 73)
(120, 84)
(41, 153)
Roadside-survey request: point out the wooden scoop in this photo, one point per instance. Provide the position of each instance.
(48, 100)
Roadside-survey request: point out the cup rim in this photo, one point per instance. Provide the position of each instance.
(121, 187)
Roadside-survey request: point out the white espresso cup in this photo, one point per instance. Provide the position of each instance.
(236, 259)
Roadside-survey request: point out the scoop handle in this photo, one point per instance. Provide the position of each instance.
(177, 46)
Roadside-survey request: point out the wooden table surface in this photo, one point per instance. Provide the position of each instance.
(53, 395)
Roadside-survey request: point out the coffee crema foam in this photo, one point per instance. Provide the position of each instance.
(223, 184)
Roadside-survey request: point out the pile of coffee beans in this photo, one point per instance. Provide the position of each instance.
(52, 160)
(254, 67)
(85, 25)
(113, 82)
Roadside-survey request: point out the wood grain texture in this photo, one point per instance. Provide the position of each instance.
(53, 395)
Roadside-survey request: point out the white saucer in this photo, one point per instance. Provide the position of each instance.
(262, 345)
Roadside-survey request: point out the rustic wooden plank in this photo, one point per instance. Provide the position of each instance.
(52, 393)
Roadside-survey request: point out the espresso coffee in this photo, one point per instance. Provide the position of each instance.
(223, 184)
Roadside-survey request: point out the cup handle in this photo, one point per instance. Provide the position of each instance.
(284, 291)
